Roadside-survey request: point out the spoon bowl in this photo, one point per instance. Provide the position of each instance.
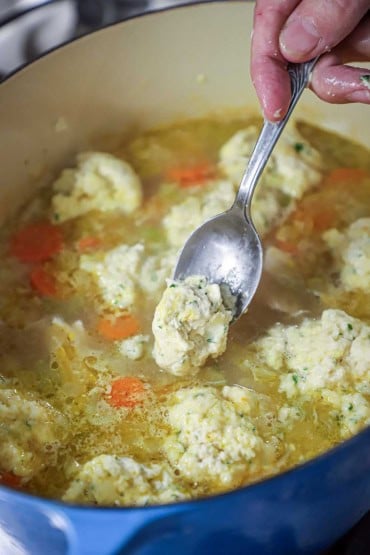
(227, 249)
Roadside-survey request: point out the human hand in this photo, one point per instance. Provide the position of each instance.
(299, 30)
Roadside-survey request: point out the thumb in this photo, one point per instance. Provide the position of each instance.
(316, 26)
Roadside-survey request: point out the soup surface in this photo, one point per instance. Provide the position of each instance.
(86, 415)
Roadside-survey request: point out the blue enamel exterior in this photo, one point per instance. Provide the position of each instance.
(301, 511)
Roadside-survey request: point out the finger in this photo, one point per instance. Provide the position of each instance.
(268, 67)
(337, 83)
(340, 84)
(316, 26)
(356, 47)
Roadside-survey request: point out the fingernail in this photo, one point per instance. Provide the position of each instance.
(299, 37)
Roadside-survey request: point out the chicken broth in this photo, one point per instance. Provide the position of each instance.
(86, 414)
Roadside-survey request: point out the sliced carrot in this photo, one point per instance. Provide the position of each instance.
(316, 217)
(126, 392)
(324, 219)
(192, 175)
(10, 479)
(287, 246)
(88, 243)
(346, 175)
(36, 242)
(43, 281)
(118, 328)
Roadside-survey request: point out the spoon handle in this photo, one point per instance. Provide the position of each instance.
(299, 76)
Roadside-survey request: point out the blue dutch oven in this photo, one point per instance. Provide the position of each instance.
(299, 512)
(140, 73)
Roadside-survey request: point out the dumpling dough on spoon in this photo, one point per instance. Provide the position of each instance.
(191, 323)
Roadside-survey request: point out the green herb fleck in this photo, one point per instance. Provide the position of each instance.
(173, 285)
(298, 147)
(350, 406)
(349, 326)
(295, 378)
(152, 234)
(365, 80)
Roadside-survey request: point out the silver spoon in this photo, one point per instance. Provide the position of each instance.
(227, 249)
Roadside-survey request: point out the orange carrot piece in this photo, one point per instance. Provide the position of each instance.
(343, 175)
(88, 243)
(126, 392)
(287, 246)
(190, 176)
(9, 479)
(324, 219)
(36, 242)
(118, 328)
(315, 216)
(43, 281)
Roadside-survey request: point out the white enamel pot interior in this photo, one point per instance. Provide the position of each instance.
(184, 62)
